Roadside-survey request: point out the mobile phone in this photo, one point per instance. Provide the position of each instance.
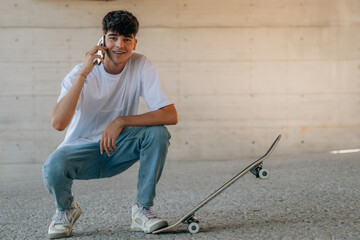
(101, 42)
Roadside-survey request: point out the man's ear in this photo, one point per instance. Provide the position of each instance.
(135, 42)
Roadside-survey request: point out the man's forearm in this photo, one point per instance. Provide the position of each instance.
(63, 111)
(164, 116)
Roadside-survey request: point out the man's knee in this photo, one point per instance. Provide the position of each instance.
(55, 166)
(160, 134)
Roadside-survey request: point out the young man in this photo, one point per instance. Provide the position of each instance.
(105, 135)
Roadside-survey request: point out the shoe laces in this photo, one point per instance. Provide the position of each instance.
(60, 217)
(147, 212)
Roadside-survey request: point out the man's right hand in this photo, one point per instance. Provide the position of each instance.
(89, 63)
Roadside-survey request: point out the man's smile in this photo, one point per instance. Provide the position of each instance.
(119, 52)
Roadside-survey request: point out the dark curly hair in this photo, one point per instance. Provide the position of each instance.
(121, 22)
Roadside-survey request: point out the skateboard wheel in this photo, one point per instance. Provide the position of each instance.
(263, 174)
(193, 227)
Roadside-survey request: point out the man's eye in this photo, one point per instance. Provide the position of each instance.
(113, 38)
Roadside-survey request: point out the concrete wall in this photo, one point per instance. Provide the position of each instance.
(240, 72)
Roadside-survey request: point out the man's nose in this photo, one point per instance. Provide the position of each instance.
(119, 43)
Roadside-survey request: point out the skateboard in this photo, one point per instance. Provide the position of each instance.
(255, 168)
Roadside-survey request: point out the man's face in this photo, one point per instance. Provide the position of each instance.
(119, 47)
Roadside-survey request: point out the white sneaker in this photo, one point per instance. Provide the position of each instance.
(62, 221)
(143, 219)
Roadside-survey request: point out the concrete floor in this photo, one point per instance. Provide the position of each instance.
(313, 196)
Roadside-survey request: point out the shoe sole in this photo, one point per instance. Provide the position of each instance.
(59, 235)
(138, 228)
(65, 235)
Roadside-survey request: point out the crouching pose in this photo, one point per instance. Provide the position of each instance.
(98, 105)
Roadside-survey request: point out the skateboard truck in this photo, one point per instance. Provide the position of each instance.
(259, 172)
(193, 223)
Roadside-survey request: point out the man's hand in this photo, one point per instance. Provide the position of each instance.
(109, 136)
(89, 63)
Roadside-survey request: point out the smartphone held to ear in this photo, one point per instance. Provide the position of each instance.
(101, 53)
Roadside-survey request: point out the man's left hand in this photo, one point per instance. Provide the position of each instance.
(109, 136)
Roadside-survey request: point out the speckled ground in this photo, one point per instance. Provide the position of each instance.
(313, 196)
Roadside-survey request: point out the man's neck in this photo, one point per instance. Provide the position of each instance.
(112, 68)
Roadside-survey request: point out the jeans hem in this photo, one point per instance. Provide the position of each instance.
(144, 205)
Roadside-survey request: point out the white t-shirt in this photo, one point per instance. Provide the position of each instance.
(105, 97)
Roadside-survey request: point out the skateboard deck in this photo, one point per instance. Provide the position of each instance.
(255, 168)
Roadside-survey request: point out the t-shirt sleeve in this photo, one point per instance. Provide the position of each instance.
(152, 89)
(68, 81)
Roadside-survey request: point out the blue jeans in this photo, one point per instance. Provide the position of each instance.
(147, 144)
